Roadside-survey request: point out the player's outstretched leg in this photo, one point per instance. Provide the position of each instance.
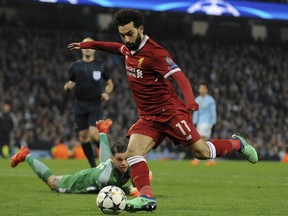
(246, 149)
(19, 156)
(104, 125)
(40, 169)
(141, 203)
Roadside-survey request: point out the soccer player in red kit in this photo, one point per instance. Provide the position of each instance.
(161, 112)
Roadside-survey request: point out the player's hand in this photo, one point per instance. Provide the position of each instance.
(193, 107)
(74, 46)
(105, 96)
(69, 85)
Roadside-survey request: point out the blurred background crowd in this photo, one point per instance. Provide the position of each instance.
(247, 77)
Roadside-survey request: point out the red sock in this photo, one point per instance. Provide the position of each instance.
(139, 173)
(222, 146)
(236, 144)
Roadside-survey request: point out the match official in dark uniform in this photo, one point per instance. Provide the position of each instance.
(86, 77)
(8, 123)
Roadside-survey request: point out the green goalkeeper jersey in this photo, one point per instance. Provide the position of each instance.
(94, 179)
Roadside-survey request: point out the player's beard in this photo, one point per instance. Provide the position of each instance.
(134, 46)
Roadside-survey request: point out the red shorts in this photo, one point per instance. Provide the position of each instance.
(179, 128)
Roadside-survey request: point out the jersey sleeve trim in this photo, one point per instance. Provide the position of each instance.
(171, 72)
(121, 49)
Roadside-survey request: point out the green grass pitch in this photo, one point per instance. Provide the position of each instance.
(229, 188)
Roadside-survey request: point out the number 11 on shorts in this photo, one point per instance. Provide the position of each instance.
(180, 126)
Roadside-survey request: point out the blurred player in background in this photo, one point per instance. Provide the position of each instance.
(60, 150)
(284, 159)
(113, 169)
(205, 118)
(85, 77)
(8, 122)
(161, 112)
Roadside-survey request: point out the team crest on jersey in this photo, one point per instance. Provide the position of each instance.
(140, 61)
(96, 75)
(171, 64)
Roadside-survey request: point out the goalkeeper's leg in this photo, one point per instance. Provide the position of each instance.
(105, 149)
(40, 169)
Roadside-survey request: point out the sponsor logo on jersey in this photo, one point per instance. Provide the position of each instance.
(96, 75)
(134, 72)
(188, 137)
(139, 73)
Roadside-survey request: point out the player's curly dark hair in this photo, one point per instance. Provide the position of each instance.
(118, 147)
(125, 16)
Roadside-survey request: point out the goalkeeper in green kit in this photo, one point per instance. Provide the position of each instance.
(113, 169)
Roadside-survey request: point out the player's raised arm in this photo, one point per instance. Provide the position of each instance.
(165, 65)
(111, 47)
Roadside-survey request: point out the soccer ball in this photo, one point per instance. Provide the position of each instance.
(111, 200)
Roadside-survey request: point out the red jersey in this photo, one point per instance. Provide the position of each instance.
(147, 69)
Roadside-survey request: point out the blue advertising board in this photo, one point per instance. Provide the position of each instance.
(208, 7)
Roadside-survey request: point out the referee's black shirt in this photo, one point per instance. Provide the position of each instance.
(88, 77)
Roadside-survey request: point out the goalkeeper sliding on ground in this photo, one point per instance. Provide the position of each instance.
(113, 169)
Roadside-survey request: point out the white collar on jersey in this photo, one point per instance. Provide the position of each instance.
(141, 45)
